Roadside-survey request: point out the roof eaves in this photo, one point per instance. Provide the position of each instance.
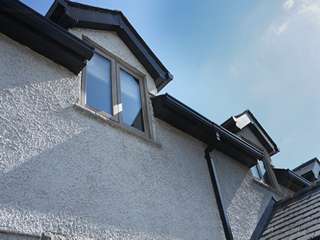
(307, 163)
(289, 179)
(202, 128)
(264, 132)
(66, 14)
(256, 127)
(29, 28)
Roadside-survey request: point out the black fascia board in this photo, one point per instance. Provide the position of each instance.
(259, 128)
(290, 179)
(189, 121)
(71, 14)
(256, 128)
(307, 163)
(26, 26)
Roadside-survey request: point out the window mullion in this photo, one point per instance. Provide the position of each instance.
(144, 105)
(117, 93)
(114, 89)
(83, 88)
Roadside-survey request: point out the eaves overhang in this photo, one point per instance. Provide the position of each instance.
(232, 125)
(31, 29)
(75, 15)
(182, 117)
(313, 160)
(290, 179)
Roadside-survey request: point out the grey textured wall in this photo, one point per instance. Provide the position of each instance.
(74, 177)
(245, 199)
(248, 134)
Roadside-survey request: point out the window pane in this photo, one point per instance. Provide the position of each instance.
(131, 101)
(261, 169)
(255, 172)
(258, 170)
(98, 84)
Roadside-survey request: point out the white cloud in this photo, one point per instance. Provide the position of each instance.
(311, 10)
(282, 28)
(296, 13)
(309, 7)
(288, 4)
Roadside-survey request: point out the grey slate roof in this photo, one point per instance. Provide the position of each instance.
(295, 218)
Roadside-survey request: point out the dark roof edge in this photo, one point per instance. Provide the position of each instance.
(306, 163)
(304, 192)
(223, 133)
(26, 26)
(290, 176)
(234, 138)
(264, 220)
(258, 130)
(62, 12)
(298, 178)
(276, 149)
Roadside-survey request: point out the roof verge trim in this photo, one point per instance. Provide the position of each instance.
(71, 14)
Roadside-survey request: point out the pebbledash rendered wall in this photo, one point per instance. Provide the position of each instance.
(72, 176)
(245, 197)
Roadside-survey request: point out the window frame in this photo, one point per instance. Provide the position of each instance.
(113, 87)
(116, 65)
(140, 79)
(261, 175)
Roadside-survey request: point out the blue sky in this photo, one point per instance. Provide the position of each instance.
(227, 56)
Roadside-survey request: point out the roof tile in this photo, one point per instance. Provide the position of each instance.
(296, 218)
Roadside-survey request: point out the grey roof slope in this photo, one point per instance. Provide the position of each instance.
(296, 218)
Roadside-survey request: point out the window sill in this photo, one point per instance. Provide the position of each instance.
(261, 183)
(104, 119)
(264, 185)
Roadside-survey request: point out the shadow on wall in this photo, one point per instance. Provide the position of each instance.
(30, 122)
(245, 200)
(73, 195)
(41, 188)
(113, 193)
(60, 172)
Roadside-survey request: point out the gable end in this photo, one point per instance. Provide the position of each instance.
(75, 15)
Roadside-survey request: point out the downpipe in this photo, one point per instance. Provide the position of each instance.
(217, 192)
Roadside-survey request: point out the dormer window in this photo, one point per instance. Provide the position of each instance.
(114, 89)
